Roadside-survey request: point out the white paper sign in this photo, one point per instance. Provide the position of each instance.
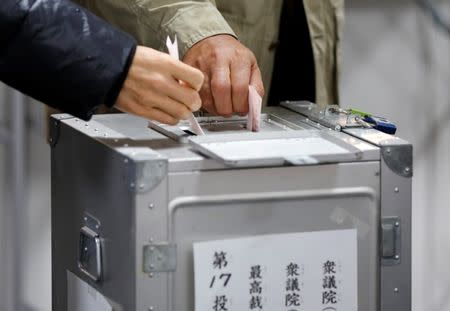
(314, 271)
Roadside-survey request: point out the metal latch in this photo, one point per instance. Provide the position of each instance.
(90, 249)
(390, 241)
(160, 258)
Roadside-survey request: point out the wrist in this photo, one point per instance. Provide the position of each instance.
(114, 92)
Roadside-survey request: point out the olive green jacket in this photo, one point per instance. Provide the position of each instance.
(254, 22)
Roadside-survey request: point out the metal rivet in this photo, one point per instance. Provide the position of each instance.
(377, 173)
(151, 241)
(152, 267)
(151, 275)
(125, 161)
(85, 218)
(96, 130)
(141, 186)
(397, 224)
(151, 206)
(105, 134)
(160, 164)
(125, 145)
(396, 290)
(116, 140)
(132, 185)
(86, 124)
(160, 258)
(152, 248)
(151, 309)
(397, 257)
(97, 226)
(396, 190)
(407, 169)
(388, 150)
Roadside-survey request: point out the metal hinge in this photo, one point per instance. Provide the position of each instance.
(390, 241)
(160, 258)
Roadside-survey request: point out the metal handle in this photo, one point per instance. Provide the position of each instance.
(390, 241)
(90, 254)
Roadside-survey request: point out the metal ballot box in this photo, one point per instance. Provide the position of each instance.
(311, 213)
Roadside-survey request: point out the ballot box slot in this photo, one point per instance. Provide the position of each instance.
(189, 132)
(219, 125)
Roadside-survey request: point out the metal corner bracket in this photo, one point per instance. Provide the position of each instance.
(399, 158)
(149, 174)
(148, 168)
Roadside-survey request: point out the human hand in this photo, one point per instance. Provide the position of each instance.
(229, 68)
(152, 89)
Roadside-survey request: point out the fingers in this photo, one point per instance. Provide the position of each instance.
(190, 75)
(229, 68)
(240, 80)
(128, 105)
(182, 94)
(151, 89)
(221, 90)
(173, 108)
(148, 100)
(162, 117)
(141, 98)
(154, 114)
(207, 98)
(256, 80)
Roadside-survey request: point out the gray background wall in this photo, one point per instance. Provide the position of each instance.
(396, 64)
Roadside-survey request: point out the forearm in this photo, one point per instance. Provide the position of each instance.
(150, 22)
(62, 55)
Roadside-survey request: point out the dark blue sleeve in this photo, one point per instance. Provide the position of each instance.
(62, 55)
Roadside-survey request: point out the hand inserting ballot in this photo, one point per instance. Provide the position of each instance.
(229, 68)
(151, 89)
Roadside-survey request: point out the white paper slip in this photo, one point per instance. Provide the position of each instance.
(172, 47)
(286, 272)
(254, 110)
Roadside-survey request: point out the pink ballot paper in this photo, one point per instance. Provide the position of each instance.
(254, 110)
(172, 47)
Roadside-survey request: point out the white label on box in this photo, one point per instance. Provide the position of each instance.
(314, 271)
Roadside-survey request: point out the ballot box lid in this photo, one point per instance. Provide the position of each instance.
(286, 138)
